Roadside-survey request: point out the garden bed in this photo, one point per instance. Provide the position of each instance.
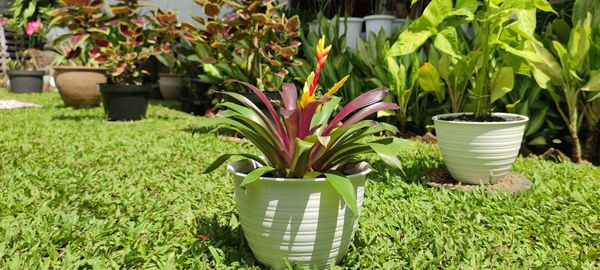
(78, 191)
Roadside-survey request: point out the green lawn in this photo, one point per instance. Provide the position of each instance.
(79, 192)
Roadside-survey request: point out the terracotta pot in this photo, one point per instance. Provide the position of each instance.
(171, 86)
(78, 86)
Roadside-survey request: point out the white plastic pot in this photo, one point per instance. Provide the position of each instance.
(314, 27)
(374, 23)
(479, 152)
(352, 32)
(171, 86)
(398, 23)
(303, 222)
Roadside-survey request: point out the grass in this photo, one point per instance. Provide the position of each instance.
(78, 192)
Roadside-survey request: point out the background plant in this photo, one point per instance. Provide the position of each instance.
(255, 42)
(127, 44)
(86, 21)
(496, 24)
(565, 72)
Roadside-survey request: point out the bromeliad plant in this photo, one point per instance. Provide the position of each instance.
(298, 140)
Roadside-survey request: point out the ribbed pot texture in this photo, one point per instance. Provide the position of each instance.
(303, 222)
(374, 23)
(479, 152)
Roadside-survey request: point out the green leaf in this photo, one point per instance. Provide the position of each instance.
(409, 41)
(386, 153)
(502, 82)
(580, 43)
(256, 174)
(220, 160)
(447, 42)
(299, 164)
(593, 83)
(543, 5)
(430, 81)
(344, 187)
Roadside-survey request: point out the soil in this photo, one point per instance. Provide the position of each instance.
(482, 118)
(511, 183)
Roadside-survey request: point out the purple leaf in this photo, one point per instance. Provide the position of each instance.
(289, 96)
(265, 100)
(307, 114)
(370, 110)
(363, 100)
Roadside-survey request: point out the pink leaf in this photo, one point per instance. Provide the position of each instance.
(363, 100)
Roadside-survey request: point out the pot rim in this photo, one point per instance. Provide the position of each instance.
(25, 72)
(523, 119)
(131, 88)
(379, 16)
(231, 168)
(166, 74)
(79, 68)
(351, 19)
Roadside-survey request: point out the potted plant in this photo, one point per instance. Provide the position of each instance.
(123, 48)
(78, 74)
(254, 41)
(25, 75)
(299, 203)
(374, 23)
(477, 147)
(167, 29)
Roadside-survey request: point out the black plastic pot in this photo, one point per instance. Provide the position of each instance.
(125, 102)
(195, 107)
(194, 99)
(26, 81)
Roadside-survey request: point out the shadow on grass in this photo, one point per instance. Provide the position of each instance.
(79, 118)
(413, 168)
(230, 241)
(169, 104)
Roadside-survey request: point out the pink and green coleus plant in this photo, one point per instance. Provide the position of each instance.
(127, 44)
(309, 138)
(86, 21)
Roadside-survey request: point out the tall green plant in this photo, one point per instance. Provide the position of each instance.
(563, 71)
(491, 72)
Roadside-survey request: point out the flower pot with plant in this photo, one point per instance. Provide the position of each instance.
(25, 75)
(167, 29)
(479, 147)
(299, 202)
(123, 49)
(78, 74)
(378, 21)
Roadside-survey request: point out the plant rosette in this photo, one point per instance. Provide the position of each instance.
(299, 202)
(479, 152)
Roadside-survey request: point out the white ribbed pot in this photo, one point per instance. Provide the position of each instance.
(352, 32)
(374, 23)
(479, 152)
(303, 222)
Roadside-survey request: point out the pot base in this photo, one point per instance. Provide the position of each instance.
(511, 183)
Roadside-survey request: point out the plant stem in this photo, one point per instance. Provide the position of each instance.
(483, 76)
